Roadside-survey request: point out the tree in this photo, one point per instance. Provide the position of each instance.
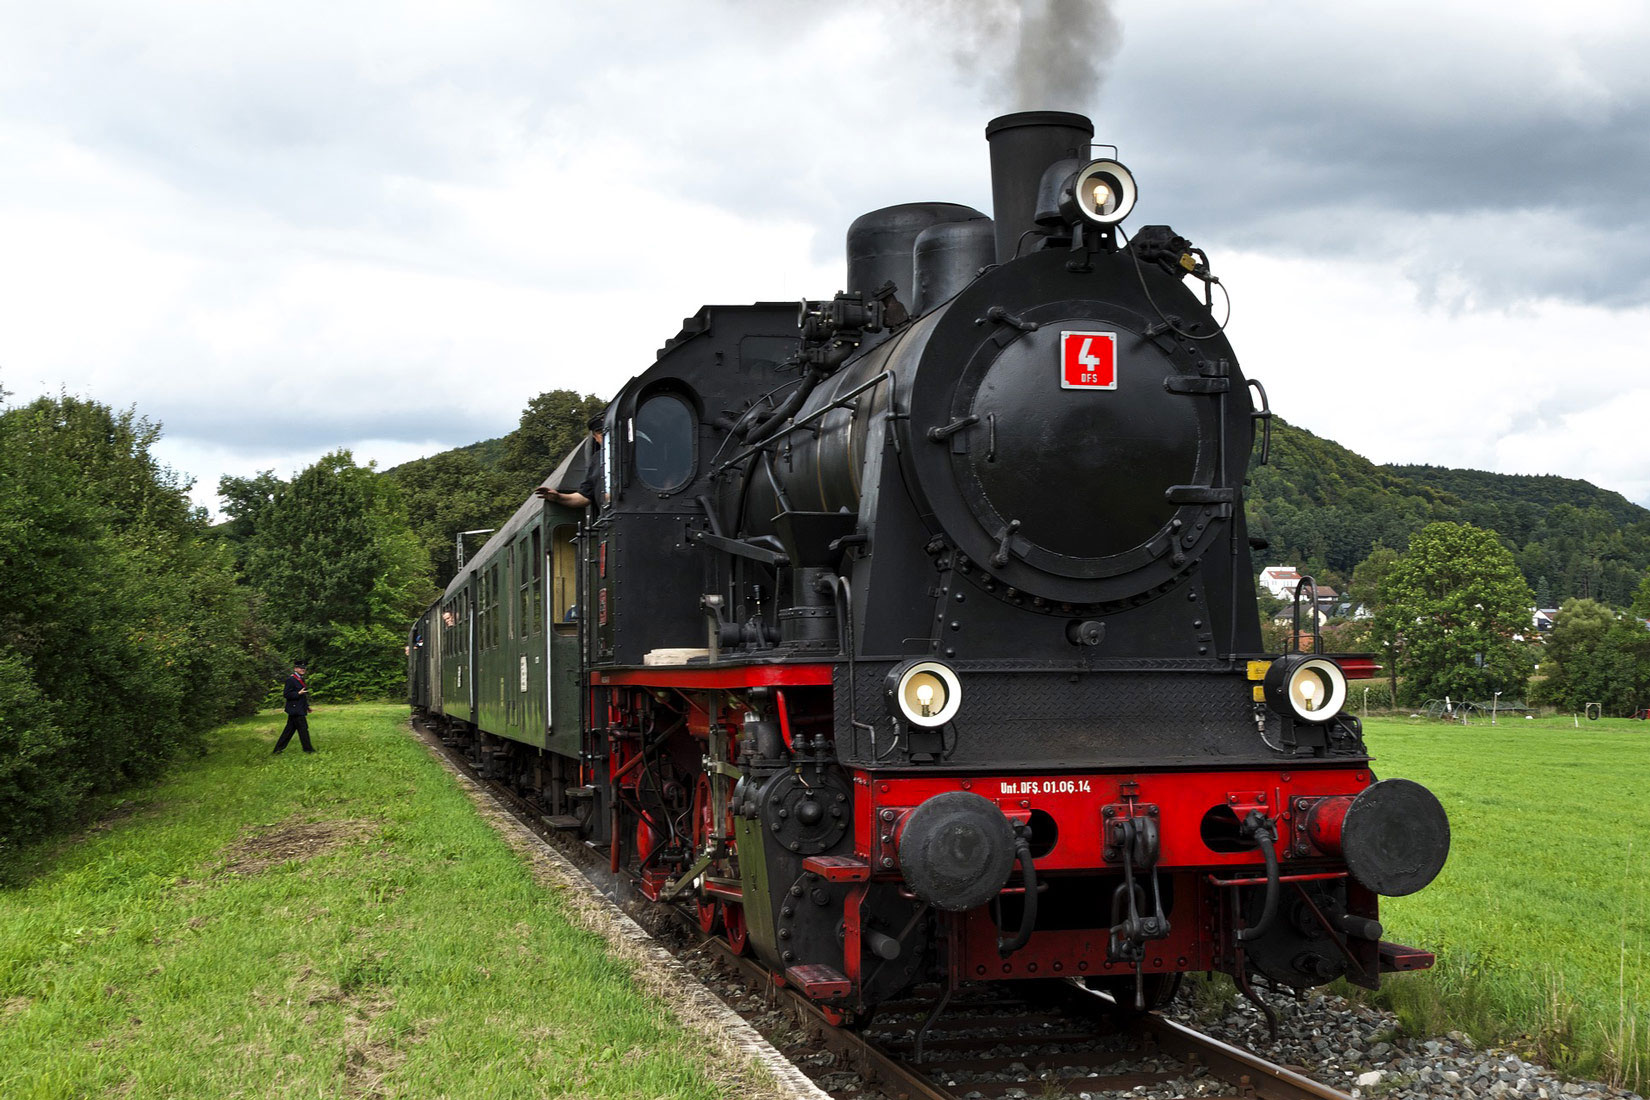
(1365, 591)
(452, 492)
(1275, 637)
(1595, 655)
(1368, 574)
(123, 635)
(1349, 636)
(341, 575)
(1450, 607)
(244, 498)
(552, 424)
(1641, 599)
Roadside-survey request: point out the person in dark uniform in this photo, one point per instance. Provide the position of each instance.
(296, 694)
(588, 494)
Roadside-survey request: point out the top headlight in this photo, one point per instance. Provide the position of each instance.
(1102, 192)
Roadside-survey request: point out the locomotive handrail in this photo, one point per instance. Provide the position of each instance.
(1317, 630)
(843, 597)
(1265, 417)
(806, 421)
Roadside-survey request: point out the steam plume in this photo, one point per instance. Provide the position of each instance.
(1039, 54)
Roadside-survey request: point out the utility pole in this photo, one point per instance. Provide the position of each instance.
(458, 542)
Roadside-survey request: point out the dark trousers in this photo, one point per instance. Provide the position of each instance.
(298, 723)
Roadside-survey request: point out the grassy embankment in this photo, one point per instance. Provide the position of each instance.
(1541, 919)
(342, 924)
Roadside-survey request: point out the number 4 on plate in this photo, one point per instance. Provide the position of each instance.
(1088, 360)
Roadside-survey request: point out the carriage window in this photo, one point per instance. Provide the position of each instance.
(564, 572)
(524, 594)
(665, 437)
(493, 596)
(537, 598)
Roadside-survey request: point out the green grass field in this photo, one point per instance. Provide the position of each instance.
(342, 924)
(1541, 918)
(345, 925)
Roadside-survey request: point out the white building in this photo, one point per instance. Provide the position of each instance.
(1280, 580)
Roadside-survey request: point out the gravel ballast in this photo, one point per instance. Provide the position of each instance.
(1360, 1049)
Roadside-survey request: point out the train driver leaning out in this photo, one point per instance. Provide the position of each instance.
(588, 494)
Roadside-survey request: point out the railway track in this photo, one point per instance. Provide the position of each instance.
(1047, 1040)
(1054, 1039)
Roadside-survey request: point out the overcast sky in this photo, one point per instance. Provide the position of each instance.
(281, 228)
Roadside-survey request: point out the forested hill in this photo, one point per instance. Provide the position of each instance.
(1321, 506)
(1324, 508)
(1498, 491)
(478, 486)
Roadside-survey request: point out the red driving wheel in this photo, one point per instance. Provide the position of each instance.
(703, 815)
(733, 926)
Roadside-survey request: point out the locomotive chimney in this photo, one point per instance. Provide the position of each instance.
(1022, 146)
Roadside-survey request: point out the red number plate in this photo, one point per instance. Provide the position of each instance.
(1088, 360)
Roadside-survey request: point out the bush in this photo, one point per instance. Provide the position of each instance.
(123, 635)
(33, 784)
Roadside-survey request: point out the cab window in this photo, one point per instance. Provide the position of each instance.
(665, 434)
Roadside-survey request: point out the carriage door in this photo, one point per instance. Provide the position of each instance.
(472, 644)
(561, 635)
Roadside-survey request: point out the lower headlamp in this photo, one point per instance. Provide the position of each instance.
(1307, 687)
(925, 693)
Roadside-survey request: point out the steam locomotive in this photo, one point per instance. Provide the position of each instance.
(912, 635)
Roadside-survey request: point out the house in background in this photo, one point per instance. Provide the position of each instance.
(1280, 581)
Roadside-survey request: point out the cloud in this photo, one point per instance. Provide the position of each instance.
(1541, 388)
(1504, 147)
(279, 228)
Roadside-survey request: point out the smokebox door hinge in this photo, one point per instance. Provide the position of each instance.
(1177, 383)
(1199, 494)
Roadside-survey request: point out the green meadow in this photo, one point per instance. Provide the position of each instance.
(342, 924)
(1541, 918)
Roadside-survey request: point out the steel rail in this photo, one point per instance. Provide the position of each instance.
(896, 1079)
(1249, 1071)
